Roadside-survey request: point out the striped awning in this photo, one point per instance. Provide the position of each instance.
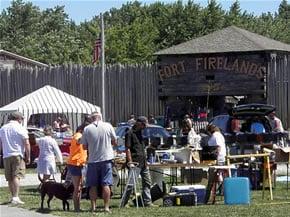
(49, 99)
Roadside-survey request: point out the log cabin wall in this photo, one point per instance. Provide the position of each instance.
(215, 74)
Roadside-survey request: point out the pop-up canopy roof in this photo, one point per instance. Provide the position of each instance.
(49, 99)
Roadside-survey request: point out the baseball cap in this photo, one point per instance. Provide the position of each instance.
(16, 115)
(142, 119)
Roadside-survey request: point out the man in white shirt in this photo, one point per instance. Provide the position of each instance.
(16, 152)
(98, 138)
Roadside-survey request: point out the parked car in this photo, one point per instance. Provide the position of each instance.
(157, 136)
(246, 114)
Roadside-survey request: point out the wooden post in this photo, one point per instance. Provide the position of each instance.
(269, 176)
(228, 163)
(264, 177)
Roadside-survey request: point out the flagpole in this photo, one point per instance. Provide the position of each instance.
(103, 67)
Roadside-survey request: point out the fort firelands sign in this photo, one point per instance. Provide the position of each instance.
(206, 64)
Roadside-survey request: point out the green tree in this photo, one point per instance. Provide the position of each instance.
(233, 17)
(19, 25)
(133, 32)
(284, 10)
(212, 17)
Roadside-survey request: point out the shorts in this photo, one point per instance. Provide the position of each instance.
(100, 173)
(75, 170)
(14, 166)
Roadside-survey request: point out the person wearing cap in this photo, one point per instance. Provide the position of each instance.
(98, 138)
(136, 157)
(14, 142)
(276, 123)
(48, 151)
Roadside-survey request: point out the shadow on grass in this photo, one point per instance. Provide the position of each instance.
(48, 211)
(43, 211)
(32, 190)
(114, 206)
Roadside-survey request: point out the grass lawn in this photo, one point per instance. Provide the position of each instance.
(278, 207)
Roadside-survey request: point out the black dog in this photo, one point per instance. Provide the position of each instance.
(58, 190)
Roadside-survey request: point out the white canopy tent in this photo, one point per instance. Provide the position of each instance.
(46, 100)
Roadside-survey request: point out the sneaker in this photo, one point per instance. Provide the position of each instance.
(16, 201)
(108, 211)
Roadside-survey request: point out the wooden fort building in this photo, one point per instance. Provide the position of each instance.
(231, 65)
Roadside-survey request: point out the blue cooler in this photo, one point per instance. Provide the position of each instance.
(198, 189)
(200, 192)
(237, 190)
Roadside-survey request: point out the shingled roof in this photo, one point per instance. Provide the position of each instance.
(22, 58)
(230, 39)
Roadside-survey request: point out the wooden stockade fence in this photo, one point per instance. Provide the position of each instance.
(278, 88)
(130, 89)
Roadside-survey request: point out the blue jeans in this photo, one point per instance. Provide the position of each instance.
(146, 185)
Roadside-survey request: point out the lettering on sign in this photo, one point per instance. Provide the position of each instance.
(171, 70)
(238, 66)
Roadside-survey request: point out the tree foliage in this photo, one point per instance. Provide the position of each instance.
(133, 32)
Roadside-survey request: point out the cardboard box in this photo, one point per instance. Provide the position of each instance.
(282, 154)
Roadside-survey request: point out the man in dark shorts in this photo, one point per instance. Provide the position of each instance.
(16, 152)
(135, 152)
(98, 138)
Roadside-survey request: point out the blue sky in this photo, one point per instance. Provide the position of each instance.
(81, 10)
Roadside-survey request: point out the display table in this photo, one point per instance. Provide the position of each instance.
(160, 167)
(173, 167)
(266, 168)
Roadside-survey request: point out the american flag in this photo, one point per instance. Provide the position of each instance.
(97, 50)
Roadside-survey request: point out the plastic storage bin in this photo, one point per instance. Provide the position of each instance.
(237, 190)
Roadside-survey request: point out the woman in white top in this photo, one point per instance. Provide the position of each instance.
(48, 150)
(217, 139)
